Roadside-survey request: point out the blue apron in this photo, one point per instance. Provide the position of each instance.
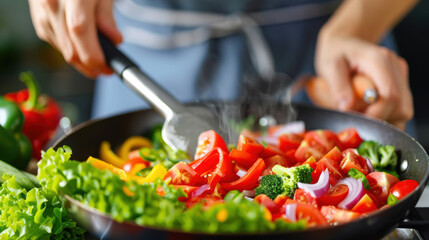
(206, 50)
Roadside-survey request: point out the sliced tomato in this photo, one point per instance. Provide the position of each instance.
(380, 183)
(327, 138)
(350, 138)
(313, 216)
(271, 150)
(243, 158)
(353, 160)
(403, 188)
(307, 149)
(334, 195)
(335, 172)
(207, 141)
(311, 161)
(334, 155)
(249, 179)
(302, 196)
(280, 200)
(249, 145)
(290, 154)
(289, 141)
(275, 160)
(336, 215)
(266, 201)
(182, 174)
(365, 205)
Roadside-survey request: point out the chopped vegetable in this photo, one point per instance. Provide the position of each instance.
(291, 176)
(354, 173)
(271, 185)
(146, 204)
(15, 147)
(33, 214)
(382, 157)
(319, 188)
(42, 114)
(355, 192)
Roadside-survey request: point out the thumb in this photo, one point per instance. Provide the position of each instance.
(339, 80)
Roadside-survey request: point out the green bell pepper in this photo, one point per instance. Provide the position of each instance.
(15, 148)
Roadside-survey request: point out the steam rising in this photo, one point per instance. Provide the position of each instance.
(269, 101)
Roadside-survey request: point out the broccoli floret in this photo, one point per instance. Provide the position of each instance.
(291, 176)
(369, 149)
(388, 156)
(271, 185)
(382, 157)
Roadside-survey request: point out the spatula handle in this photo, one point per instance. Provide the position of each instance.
(139, 81)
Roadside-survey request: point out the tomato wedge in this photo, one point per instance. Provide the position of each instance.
(249, 145)
(365, 205)
(248, 180)
(208, 141)
(289, 141)
(302, 196)
(353, 160)
(313, 216)
(334, 195)
(336, 215)
(335, 172)
(350, 138)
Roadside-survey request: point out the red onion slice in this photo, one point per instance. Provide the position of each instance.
(369, 163)
(355, 192)
(296, 127)
(318, 189)
(291, 212)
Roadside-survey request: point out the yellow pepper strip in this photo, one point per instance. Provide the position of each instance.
(158, 171)
(109, 156)
(132, 143)
(100, 164)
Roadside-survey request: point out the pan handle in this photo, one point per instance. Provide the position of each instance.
(162, 101)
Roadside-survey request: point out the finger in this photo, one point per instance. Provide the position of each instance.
(62, 38)
(106, 22)
(81, 26)
(378, 64)
(337, 74)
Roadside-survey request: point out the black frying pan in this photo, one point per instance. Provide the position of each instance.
(86, 138)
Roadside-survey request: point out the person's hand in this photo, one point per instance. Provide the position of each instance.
(339, 56)
(71, 27)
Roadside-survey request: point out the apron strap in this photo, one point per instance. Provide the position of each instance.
(205, 26)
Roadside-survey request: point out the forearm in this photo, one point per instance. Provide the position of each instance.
(367, 19)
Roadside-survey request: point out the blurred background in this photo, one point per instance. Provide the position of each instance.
(21, 50)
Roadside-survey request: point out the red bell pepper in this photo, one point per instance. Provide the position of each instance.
(248, 180)
(42, 114)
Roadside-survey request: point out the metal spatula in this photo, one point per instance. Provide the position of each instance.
(183, 123)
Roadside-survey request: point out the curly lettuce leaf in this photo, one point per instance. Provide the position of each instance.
(33, 214)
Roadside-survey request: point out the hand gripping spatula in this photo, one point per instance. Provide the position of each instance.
(183, 123)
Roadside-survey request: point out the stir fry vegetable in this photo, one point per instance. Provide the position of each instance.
(276, 182)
